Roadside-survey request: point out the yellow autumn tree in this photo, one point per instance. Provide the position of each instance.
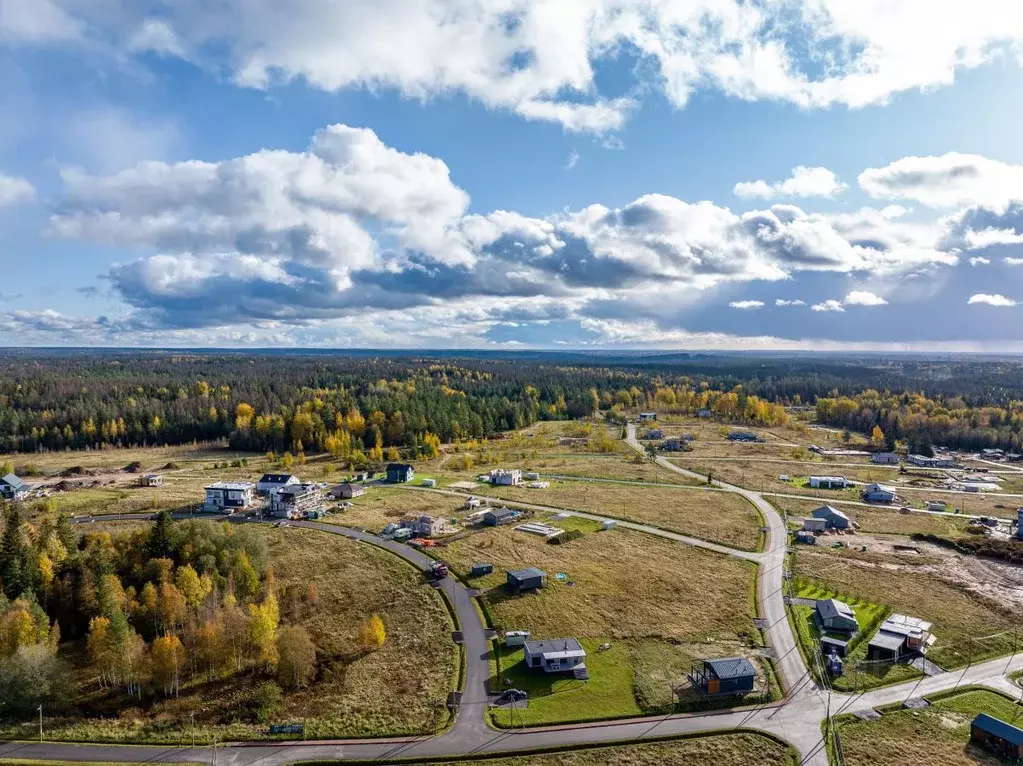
(263, 621)
(877, 437)
(168, 657)
(372, 633)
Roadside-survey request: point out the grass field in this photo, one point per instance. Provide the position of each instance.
(641, 594)
(880, 520)
(400, 689)
(961, 617)
(721, 517)
(939, 734)
(736, 749)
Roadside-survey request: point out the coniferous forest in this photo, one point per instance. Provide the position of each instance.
(361, 403)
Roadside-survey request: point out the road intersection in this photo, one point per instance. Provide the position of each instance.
(797, 719)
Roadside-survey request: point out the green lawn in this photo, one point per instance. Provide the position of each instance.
(939, 734)
(562, 699)
(869, 615)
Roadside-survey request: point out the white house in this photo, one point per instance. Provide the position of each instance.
(554, 655)
(884, 458)
(229, 496)
(271, 482)
(647, 416)
(506, 477)
(828, 482)
(939, 461)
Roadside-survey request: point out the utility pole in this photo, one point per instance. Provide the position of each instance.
(40, 723)
(192, 716)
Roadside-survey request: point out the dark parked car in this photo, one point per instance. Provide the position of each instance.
(512, 695)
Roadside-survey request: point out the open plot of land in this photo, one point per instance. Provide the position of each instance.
(114, 459)
(721, 517)
(764, 476)
(382, 505)
(722, 750)
(637, 592)
(938, 734)
(399, 689)
(881, 520)
(965, 610)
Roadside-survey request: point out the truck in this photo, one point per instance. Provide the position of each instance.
(438, 570)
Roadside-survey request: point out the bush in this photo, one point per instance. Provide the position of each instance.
(565, 537)
(263, 704)
(31, 677)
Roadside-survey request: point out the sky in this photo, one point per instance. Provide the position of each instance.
(818, 175)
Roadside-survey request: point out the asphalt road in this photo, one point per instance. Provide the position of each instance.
(797, 719)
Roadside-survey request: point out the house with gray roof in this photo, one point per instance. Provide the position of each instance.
(13, 488)
(554, 655)
(832, 614)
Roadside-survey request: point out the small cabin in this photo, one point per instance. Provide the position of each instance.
(731, 675)
(151, 480)
(526, 579)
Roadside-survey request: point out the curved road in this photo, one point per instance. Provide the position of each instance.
(797, 719)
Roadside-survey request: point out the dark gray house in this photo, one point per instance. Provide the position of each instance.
(526, 579)
(399, 473)
(499, 516)
(730, 675)
(832, 614)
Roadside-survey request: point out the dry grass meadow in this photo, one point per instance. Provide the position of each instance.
(741, 749)
(939, 734)
(720, 517)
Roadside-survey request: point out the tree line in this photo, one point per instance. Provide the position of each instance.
(374, 408)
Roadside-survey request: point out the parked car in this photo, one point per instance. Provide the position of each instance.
(512, 695)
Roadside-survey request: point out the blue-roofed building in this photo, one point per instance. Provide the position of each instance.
(997, 736)
(729, 675)
(13, 488)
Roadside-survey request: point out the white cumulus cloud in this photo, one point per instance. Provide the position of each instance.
(746, 305)
(949, 180)
(829, 305)
(538, 58)
(804, 182)
(979, 260)
(863, 298)
(14, 190)
(784, 302)
(991, 300)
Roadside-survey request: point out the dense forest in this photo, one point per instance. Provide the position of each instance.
(921, 422)
(155, 607)
(372, 407)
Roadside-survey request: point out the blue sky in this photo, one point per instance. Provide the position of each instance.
(486, 173)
